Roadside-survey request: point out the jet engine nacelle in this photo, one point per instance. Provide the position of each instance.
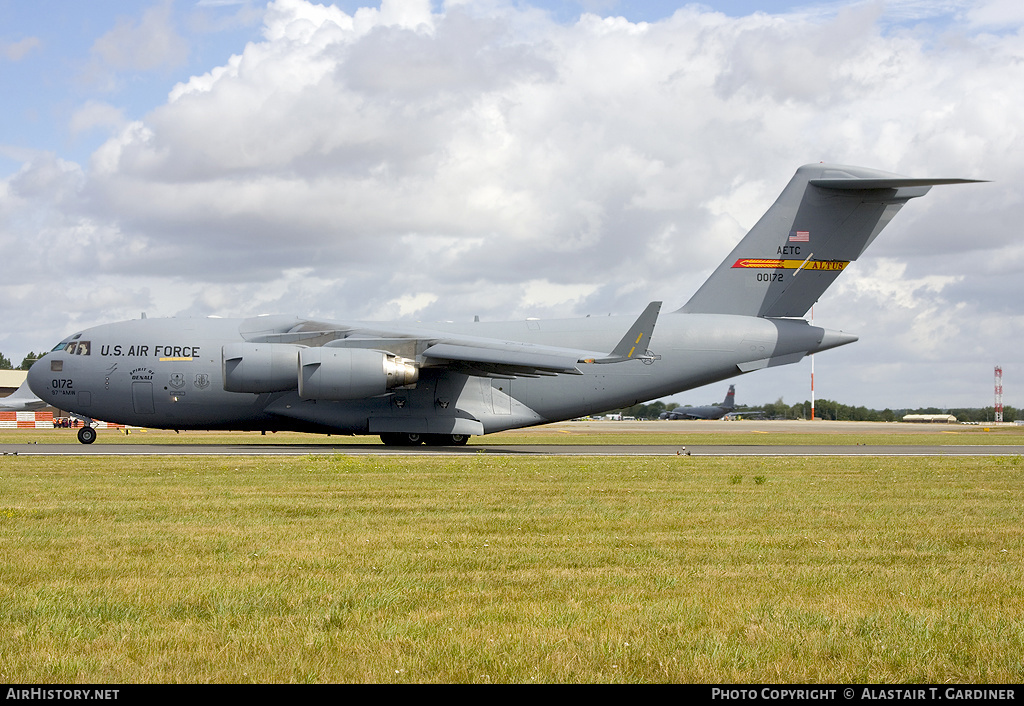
(351, 373)
(259, 367)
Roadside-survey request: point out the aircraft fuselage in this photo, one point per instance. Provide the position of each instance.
(169, 373)
(445, 382)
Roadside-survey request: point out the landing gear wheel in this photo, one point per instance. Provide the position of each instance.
(447, 439)
(402, 439)
(87, 435)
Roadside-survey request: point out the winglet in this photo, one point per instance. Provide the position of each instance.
(634, 344)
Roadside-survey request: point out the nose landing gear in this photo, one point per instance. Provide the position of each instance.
(87, 435)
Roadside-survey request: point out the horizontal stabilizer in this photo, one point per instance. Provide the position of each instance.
(886, 183)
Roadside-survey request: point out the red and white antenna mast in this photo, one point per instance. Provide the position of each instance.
(812, 370)
(999, 393)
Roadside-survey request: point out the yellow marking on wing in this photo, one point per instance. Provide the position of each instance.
(631, 352)
(638, 338)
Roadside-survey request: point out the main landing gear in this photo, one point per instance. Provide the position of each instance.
(414, 439)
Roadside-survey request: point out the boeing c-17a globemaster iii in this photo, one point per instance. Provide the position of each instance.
(442, 383)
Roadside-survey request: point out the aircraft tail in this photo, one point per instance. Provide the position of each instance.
(730, 398)
(22, 400)
(824, 219)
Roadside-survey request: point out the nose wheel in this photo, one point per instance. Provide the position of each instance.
(87, 435)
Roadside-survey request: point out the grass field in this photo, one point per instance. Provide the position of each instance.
(503, 569)
(608, 433)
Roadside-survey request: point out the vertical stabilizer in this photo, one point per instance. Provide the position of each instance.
(730, 399)
(823, 220)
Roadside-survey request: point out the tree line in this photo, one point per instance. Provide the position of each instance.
(26, 363)
(832, 410)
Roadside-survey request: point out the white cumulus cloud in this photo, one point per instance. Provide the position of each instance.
(433, 161)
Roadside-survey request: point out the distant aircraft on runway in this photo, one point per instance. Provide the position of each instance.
(440, 383)
(715, 411)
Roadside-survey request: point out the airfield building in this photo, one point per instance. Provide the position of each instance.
(930, 418)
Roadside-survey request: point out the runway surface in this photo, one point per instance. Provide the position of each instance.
(948, 440)
(494, 450)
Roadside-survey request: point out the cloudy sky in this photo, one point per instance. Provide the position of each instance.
(429, 161)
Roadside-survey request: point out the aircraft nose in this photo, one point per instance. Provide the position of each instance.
(834, 339)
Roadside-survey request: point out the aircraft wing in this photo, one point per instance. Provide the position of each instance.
(472, 354)
(512, 357)
(21, 400)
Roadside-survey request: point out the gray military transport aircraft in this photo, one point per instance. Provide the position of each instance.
(714, 411)
(442, 383)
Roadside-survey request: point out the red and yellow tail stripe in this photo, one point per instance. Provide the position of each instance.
(773, 264)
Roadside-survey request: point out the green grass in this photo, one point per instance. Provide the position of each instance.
(819, 433)
(504, 569)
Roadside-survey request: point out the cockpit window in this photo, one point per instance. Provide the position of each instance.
(73, 347)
